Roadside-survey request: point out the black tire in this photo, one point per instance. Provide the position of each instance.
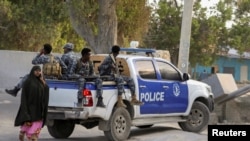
(145, 126)
(198, 118)
(120, 125)
(61, 129)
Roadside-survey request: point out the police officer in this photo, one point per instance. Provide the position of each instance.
(70, 59)
(108, 67)
(41, 58)
(85, 68)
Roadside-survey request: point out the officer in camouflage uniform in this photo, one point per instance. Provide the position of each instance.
(85, 68)
(70, 59)
(108, 67)
(42, 57)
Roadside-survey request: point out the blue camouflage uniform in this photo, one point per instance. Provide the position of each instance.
(41, 59)
(106, 68)
(70, 60)
(45, 58)
(84, 70)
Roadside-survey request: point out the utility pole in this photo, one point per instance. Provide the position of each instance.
(183, 60)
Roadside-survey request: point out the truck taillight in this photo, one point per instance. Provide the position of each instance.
(87, 98)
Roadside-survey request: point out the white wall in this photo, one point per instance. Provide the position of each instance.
(13, 65)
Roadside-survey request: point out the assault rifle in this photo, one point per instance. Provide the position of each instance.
(117, 71)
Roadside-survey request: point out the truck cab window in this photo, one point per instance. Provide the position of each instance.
(168, 72)
(145, 69)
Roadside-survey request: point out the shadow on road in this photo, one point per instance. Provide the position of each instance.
(134, 136)
(151, 130)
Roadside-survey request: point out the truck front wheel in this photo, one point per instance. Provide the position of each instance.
(61, 129)
(120, 125)
(198, 118)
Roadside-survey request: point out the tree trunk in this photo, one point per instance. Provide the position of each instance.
(106, 36)
(107, 26)
(120, 37)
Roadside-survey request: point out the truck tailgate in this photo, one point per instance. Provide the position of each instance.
(62, 93)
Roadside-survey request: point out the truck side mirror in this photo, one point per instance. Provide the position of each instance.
(186, 76)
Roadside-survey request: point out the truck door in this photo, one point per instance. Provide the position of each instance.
(175, 90)
(150, 90)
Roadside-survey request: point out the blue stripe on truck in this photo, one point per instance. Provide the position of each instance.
(74, 85)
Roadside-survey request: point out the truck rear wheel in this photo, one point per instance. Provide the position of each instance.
(61, 129)
(198, 118)
(120, 125)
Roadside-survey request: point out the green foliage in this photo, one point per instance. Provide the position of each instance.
(164, 31)
(87, 11)
(207, 35)
(133, 17)
(239, 33)
(33, 23)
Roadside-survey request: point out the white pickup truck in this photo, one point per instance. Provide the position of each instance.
(168, 95)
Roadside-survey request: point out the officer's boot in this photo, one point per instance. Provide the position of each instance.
(134, 101)
(100, 102)
(12, 92)
(120, 102)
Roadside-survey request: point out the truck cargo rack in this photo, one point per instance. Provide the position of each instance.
(148, 52)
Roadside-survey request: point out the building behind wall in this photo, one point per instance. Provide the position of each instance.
(238, 67)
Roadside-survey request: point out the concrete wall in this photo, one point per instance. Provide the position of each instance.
(13, 65)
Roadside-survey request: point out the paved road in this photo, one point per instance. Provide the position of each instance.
(159, 132)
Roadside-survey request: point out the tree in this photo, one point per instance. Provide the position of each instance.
(133, 17)
(96, 21)
(165, 26)
(97, 24)
(32, 23)
(207, 35)
(240, 30)
(93, 23)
